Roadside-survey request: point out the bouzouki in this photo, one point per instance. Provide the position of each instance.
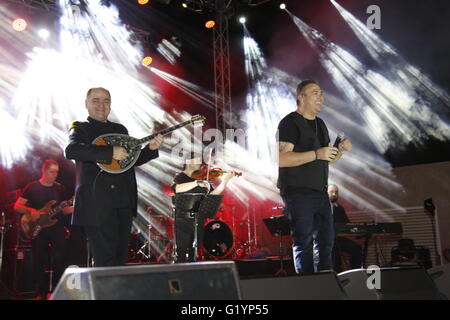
(133, 145)
(32, 228)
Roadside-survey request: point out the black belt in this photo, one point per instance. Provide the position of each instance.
(303, 190)
(185, 214)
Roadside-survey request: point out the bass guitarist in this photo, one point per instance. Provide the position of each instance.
(37, 195)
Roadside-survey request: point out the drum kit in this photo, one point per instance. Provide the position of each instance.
(226, 236)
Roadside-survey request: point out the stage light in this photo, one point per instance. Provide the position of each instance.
(242, 20)
(19, 24)
(282, 6)
(184, 5)
(147, 61)
(44, 34)
(143, 2)
(210, 24)
(170, 49)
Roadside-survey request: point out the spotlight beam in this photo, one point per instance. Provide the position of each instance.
(194, 91)
(391, 111)
(268, 88)
(391, 61)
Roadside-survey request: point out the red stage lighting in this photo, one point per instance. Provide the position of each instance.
(143, 2)
(19, 24)
(147, 61)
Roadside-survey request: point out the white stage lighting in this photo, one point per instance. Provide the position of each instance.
(44, 34)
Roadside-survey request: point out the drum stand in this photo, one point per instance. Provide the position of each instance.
(147, 245)
(236, 240)
(243, 248)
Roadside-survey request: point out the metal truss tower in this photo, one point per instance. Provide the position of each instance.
(222, 75)
(224, 10)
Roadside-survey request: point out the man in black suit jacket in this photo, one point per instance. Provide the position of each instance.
(105, 203)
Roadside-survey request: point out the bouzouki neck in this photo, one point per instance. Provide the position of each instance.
(162, 132)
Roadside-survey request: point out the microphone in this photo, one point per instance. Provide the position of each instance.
(339, 138)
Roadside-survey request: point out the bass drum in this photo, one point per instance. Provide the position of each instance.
(218, 239)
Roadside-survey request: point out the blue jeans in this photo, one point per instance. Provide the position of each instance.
(311, 220)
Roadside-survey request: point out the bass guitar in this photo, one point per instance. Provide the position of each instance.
(32, 228)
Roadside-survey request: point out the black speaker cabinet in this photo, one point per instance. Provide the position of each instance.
(397, 283)
(441, 278)
(319, 286)
(17, 271)
(190, 281)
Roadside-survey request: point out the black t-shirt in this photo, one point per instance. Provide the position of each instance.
(288, 131)
(184, 178)
(38, 195)
(339, 215)
(317, 129)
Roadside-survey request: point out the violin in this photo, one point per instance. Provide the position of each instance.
(214, 174)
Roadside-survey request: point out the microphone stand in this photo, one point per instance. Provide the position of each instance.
(433, 224)
(429, 206)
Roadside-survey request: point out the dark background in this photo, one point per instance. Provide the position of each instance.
(417, 29)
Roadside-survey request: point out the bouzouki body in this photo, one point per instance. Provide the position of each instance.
(120, 140)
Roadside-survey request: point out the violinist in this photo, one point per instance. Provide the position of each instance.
(193, 180)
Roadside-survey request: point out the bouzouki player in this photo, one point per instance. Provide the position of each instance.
(105, 203)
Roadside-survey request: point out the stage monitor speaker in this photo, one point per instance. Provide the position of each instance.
(189, 281)
(441, 278)
(319, 286)
(17, 272)
(408, 283)
(354, 283)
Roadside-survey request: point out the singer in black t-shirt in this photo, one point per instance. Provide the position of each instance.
(304, 155)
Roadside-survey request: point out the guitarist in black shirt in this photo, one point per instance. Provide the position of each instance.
(37, 195)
